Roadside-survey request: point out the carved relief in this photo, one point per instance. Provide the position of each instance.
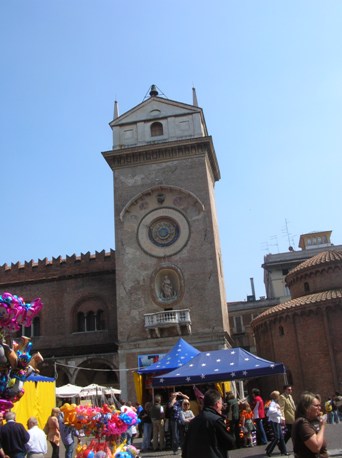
(167, 285)
(167, 291)
(168, 196)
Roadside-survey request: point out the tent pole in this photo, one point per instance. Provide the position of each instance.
(234, 390)
(241, 389)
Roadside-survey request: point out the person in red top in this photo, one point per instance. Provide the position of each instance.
(257, 406)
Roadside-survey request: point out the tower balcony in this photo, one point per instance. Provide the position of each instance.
(166, 319)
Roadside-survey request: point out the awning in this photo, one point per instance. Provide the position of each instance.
(219, 366)
(180, 353)
(95, 390)
(68, 391)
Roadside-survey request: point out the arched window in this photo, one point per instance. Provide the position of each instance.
(36, 326)
(281, 331)
(100, 320)
(31, 331)
(90, 316)
(157, 129)
(90, 321)
(81, 322)
(306, 287)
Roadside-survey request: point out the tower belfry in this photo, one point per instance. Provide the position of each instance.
(169, 278)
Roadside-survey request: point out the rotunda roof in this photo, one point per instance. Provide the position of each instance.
(321, 259)
(299, 302)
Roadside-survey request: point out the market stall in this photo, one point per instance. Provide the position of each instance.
(38, 400)
(219, 365)
(179, 354)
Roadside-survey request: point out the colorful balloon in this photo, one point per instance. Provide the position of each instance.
(15, 362)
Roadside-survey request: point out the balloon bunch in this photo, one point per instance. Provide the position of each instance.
(106, 425)
(102, 422)
(93, 449)
(14, 312)
(97, 449)
(16, 361)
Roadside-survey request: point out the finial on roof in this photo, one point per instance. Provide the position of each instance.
(153, 91)
(116, 110)
(194, 98)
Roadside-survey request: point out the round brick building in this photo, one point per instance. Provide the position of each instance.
(305, 332)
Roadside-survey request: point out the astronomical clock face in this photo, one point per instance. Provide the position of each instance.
(163, 232)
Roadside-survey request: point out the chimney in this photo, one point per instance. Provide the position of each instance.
(252, 286)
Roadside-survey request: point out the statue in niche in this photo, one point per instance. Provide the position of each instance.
(167, 291)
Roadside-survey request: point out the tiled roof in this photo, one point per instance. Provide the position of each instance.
(311, 299)
(321, 259)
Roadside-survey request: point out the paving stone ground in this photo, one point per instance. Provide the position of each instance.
(333, 436)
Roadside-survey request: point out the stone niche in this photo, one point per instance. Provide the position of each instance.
(167, 286)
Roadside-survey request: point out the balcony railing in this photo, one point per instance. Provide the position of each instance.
(168, 318)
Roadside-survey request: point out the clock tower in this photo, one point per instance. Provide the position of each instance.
(169, 278)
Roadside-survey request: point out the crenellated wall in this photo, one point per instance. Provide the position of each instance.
(67, 286)
(45, 269)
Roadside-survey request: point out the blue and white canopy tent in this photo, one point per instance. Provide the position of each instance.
(217, 366)
(181, 353)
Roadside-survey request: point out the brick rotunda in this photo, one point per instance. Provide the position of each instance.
(305, 332)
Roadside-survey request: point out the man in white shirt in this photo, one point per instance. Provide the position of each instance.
(36, 446)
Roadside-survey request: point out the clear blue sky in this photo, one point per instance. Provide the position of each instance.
(268, 76)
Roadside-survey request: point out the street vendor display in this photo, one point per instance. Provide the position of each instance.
(16, 361)
(106, 425)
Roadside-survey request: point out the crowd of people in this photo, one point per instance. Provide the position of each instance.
(17, 442)
(227, 423)
(219, 424)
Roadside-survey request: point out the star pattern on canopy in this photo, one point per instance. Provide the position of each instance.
(221, 365)
(181, 353)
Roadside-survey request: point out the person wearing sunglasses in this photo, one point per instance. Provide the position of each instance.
(309, 428)
(186, 416)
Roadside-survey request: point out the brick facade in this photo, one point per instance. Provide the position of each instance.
(304, 333)
(76, 284)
